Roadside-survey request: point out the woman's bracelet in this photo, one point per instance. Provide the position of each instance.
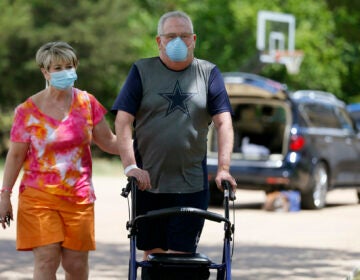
(130, 167)
(6, 190)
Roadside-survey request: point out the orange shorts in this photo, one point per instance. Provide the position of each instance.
(44, 219)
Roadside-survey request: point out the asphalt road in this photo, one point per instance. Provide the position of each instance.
(303, 245)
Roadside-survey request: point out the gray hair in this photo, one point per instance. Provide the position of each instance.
(54, 52)
(172, 14)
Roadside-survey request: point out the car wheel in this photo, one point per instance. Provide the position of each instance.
(216, 196)
(315, 198)
(358, 195)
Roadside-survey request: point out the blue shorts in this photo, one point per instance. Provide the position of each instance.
(178, 233)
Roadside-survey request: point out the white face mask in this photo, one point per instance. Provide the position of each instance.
(177, 50)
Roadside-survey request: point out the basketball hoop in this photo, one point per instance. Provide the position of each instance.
(275, 40)
(291, 59)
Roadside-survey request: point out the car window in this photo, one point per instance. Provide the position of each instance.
(356, 117)
(319, 115)
(344, 119)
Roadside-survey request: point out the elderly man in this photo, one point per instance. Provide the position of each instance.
(168, 102)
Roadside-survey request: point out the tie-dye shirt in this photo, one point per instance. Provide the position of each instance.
(59, 157)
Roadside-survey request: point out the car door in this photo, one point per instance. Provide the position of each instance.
(333, 139)
(352, 140)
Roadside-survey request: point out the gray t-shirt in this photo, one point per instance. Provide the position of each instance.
(171, 122)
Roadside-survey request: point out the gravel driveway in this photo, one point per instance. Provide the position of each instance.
(304, 245)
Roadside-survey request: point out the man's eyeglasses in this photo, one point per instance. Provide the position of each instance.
(183, 36)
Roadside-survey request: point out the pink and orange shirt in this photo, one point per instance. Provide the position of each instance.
(59, 157)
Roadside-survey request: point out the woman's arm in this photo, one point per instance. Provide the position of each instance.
(13, 164)
(14, 161)
(104, 138)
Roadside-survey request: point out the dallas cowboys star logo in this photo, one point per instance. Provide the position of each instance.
(177, 100)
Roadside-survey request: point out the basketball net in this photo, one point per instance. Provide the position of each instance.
(291, 59)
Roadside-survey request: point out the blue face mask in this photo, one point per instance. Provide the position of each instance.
(63, 79)
(177, 50)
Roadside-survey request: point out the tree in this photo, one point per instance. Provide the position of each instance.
(102, 32)
(98, 30)
(15, 19)
(347, 20)
(15, 22)
(109, 35)
(226, 33)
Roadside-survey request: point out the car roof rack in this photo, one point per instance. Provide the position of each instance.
(253, 79)
(246, 84)
(316, 96)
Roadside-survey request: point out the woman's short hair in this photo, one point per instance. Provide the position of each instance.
(54, 52)
(172, 14)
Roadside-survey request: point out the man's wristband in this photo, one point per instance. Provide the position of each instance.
(130, 167)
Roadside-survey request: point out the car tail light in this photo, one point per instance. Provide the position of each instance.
(277, 181)
(297, 142)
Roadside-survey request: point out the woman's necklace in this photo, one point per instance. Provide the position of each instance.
(61, 106)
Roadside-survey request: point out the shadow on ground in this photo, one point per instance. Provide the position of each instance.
(259, 206)
(250, 262)
(269, 262)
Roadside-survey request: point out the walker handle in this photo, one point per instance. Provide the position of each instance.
(228, 191)
(126, 191)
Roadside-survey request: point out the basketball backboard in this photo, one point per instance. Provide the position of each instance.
(276, 40)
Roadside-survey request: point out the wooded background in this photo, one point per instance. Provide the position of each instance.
(109, 35)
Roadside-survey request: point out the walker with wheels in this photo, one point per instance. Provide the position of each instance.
(180, 266)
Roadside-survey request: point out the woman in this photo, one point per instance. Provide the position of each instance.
(50, 140)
